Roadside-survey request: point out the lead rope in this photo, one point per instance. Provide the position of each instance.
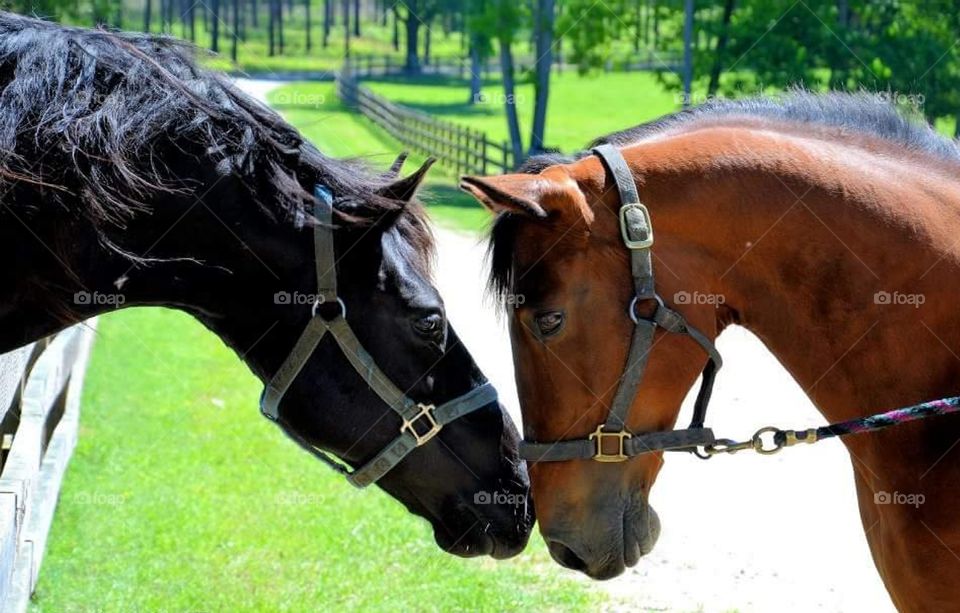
(770, 440)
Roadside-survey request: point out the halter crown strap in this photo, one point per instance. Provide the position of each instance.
(636, 229)
(420, 422)
(323, 245)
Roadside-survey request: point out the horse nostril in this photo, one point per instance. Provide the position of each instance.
(565, 556)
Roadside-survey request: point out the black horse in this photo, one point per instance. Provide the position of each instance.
(130, 176)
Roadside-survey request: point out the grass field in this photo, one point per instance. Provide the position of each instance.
(581, 108)
(182, 498)
(338, 132)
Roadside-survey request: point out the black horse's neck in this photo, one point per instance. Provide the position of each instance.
(212, 253)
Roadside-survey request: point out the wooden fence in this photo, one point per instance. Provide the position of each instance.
(462, 150)
(377, 66)
(39, 410)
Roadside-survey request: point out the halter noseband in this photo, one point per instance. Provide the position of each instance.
(637, 233)
(420, 422)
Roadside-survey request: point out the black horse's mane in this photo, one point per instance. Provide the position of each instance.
(864, 113)
(91, 118)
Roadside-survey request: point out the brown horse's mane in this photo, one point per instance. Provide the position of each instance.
(833, 115)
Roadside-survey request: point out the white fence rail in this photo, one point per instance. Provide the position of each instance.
(40, 389)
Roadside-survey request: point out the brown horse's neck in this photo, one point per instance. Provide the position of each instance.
(840, 259)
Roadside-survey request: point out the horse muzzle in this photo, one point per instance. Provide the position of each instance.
(609, 544)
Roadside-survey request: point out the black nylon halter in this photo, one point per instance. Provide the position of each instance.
(421, 422)
(637, 233)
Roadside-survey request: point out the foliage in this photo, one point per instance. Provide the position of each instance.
(905, 48)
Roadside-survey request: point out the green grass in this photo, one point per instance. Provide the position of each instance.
(581, 108)
(181, 497)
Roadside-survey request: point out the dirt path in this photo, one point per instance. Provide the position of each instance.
(745, 532)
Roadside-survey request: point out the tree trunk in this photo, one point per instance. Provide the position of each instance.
(396, 29)
(637, 25)
(356, 18)
(271, 29)
(544, 61)
(254, 14)
(843, 13)
(279, 21)
(327, 21)
(656, 24)
(412, 64)
(721, 48)
(346, 28)
(475, 68)
(306, 8)
(235, 39)
(192, 21)
(147, 10)
(509, 95)
(426, 45)
(215, 27)
(687, 51)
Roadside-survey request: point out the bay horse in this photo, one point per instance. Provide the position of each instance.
(129, 176)
(828, 225)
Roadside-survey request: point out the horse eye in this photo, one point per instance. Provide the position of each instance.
(430, 325)
(549, 323)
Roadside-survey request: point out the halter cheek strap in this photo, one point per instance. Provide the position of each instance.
(420, 422)
(611, 441)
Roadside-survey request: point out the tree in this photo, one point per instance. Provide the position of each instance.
(235, 39)
(688, 11)
(543, 62)
(413, 14)
(215, 25)
(346, 28)
(307, 25)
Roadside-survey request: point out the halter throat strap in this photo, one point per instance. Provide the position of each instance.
(420, 422)
(611, 441)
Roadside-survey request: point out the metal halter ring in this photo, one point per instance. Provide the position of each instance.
(632, 309)
(318, 302)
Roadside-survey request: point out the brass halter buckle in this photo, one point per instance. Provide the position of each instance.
(426, 412)
(599, 435)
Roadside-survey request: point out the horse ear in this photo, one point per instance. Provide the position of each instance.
(403, 190)
(509, 193)
(394, 171)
